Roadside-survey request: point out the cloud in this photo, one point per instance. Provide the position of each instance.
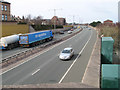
(87, 10)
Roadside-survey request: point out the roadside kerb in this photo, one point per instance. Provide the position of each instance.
(21, 55)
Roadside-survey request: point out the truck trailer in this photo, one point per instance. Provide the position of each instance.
(9, 42)
(36, 38)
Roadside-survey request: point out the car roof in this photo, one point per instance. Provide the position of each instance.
(68, 48)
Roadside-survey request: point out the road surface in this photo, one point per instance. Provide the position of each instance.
(47, 67)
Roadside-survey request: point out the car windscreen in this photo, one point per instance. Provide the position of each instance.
(66, 51)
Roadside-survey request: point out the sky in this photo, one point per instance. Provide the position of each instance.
(79, 11)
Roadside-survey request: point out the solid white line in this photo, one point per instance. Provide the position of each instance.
(74, 61)
(89, 61)
(40, 54)
(35, 72)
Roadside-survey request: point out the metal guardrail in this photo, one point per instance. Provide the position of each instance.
(58, 30)
(21, 55)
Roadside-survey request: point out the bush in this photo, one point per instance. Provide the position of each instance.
(45, 27)
(110, 31)
(22, 23)
(94, 24)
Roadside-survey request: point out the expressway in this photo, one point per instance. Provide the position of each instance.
(7, 53)
(47, 67)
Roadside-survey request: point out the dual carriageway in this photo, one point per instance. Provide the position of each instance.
(46, 67)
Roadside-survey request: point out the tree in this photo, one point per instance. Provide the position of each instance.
(37, 20)
(94, 24)
(28, 18)
(23, 18)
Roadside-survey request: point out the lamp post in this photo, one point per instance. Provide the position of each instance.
(54, 19)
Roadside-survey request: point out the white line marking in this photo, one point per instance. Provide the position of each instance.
(40, 53)
(36, 72)
(89, 61)
(74, 61)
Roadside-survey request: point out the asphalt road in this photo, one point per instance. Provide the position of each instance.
(8, 53)
(47, 67)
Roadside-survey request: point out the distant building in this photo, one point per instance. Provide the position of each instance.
(108, 22)
(119, 11)
(46, 22)
(58, 21)
(14, 18)
(62, 21)
(55, 21)
(4, 11)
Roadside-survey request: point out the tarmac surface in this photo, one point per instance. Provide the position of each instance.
(90, 77)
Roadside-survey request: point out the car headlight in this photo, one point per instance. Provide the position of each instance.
(61, 56)
(67, 57)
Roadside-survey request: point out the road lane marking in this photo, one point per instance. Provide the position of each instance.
(89, 60)
(36, 72)
(74, 61)
(40, 53)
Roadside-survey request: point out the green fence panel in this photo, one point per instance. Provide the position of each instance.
(107, 50)
(110, 76)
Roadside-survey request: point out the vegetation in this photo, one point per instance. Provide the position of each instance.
(110, 31)
(68, 26)
(45, 27)
(94, 24)
(22, 23)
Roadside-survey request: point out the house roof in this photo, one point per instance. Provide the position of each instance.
(4, 2)
(55, 17)
(108, 20)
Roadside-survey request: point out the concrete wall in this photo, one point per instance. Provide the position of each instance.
(10, 29)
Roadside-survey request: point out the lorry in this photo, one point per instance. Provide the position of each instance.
(9, 42)
(35, 38)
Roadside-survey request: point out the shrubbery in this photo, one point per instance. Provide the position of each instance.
(110, 31)
(22, 23)
(94, 24)
(45, 27)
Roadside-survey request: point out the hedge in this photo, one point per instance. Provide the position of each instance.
(45, 27)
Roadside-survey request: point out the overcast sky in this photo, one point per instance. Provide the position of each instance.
(84, 11)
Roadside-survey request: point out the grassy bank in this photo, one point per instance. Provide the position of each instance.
(110, 31)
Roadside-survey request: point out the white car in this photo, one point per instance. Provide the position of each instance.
(66, 54)
(89, 28)
(69, 32)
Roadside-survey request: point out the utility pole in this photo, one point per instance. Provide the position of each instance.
(73, 19)
(54, 19)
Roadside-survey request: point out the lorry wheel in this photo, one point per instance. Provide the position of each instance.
(9, 48)
(41, 42)
(51, 38)
(47, 40)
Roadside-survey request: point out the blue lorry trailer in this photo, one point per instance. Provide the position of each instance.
(36, 38)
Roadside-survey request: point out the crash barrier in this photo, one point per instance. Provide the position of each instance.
(21, 55)
(55, 31)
